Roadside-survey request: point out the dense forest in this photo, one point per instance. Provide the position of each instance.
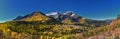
(19, 29)
(34, 30)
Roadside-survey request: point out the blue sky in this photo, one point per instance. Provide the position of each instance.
(93, 9)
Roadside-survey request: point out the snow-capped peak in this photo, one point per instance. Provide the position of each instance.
(68, 12)
(53, 13)
(73, 15)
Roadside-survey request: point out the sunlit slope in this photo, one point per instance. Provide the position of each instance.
(35, 16)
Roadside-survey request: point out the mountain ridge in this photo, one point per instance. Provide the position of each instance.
(35, 16)
(68, 25)
(68, 17)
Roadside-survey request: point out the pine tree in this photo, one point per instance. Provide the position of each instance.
(118, 17)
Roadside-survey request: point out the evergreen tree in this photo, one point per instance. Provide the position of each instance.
(118, 17)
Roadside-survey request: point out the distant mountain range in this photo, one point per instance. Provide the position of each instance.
(68, 17)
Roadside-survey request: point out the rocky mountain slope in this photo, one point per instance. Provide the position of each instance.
(68, 17)
(35, 16)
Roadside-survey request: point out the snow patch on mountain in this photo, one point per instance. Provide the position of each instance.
(73, 15)
(68, 13)
(53, 13)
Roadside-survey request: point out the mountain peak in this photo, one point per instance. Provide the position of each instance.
(68, 13)
(35, 16)
(37, 13)
(53, 13)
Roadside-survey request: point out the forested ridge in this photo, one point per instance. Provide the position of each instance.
(45, 28)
